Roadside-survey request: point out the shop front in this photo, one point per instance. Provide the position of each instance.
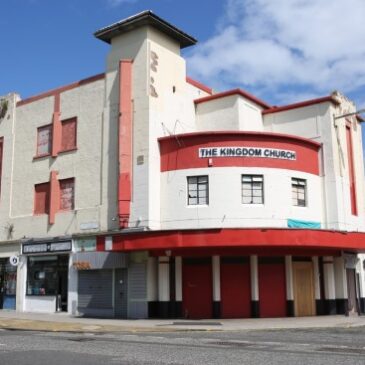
(47, 276)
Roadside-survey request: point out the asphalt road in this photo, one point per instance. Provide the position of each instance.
(318, 346)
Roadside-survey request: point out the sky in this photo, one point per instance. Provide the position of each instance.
(280, 50)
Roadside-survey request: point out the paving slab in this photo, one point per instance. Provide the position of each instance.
(61, 322)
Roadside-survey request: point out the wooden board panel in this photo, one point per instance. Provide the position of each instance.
(304, 303)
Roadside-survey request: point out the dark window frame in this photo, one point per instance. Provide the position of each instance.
(250, 181)
(298, 188)
(201, 181)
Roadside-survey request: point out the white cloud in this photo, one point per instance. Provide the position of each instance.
(115, 3)
(284, 45)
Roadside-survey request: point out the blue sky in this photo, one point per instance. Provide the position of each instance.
(282, 51)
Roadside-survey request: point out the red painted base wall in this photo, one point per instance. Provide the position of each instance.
(197, 291)
(272, 290)
(235, 291)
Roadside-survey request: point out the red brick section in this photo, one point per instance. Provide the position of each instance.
(125, 142)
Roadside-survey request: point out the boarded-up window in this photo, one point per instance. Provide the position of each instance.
(44, 140)
(41, 198)
(68, 134)
(67, 194)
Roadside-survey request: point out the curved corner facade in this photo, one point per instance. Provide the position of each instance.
(141, 193)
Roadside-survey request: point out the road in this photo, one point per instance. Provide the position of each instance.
(305, 346)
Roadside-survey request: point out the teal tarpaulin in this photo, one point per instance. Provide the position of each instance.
(295, 223)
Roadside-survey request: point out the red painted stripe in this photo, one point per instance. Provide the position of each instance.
(125, 142)
(199, 85)
(56, 126)
(182, 151)
(61, 89)
(351, 170)
(245, 251)
(238, 92)
(302, 104)
(54, 197)
(253, 238)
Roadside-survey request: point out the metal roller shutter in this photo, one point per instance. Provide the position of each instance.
(95, 293)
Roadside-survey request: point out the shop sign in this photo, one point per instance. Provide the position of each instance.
(258, 152)
(46, 247)
(87, 244)
(82, 265)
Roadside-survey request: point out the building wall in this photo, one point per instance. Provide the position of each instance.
(225, 208)
(84, 164)
(317, 122)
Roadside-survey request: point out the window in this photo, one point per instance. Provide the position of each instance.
(67, 194)
(44, 140)
(44, 273)
(252, 189)
(68, 139)
(198, 190)
(41, 198)
(298, 188)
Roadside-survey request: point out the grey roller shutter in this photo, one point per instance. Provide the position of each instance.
(95, 293)
(137, 291)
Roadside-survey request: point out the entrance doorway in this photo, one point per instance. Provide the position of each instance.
(304, 302)
(351, 291)
(272, 287)
(197, 288)
(121, 294)
(8, 274)
(235, 288)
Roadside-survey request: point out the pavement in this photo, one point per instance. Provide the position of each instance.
(63, 322)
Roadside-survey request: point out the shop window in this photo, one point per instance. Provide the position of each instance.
(67, 194)
(44, 140)
(299, 192)
(68, 138)
(41, 198)
(44, 274)
(198, 190)
(252, 189)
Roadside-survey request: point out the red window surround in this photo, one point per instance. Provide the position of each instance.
(54, 196)
(351, 170)
(41, 198)
(59, 136)
(1, 158)
(68, 134)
